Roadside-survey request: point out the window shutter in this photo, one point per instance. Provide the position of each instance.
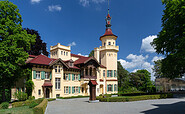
(50, 75)
(111, 73)
(111, 87)
(79, 77)
(34, 74)
(72, 77)
(116, 73)
(114, 87)
(69, 76)
(107, 88)
(78, 89)
(72, 89)
(42, 75)
(69, 90)
(107, 73)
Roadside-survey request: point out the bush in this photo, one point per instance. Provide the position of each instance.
(31, 97)
(107, 95)
(21, 96)
(4, 105)
(40, 109)
(51, 99)
(26, 103)
(33, 104)
(80, 96)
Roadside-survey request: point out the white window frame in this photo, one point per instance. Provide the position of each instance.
(57, 83)
(66, 76)
(46, 75)
(66, 53)
(61, 52)
(66, 90)
(109, 87)
(76, 77)
(76, 89)
(37, 74)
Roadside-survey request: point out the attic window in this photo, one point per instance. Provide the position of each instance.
(71, 64)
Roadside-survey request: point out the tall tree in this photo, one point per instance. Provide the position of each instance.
(91, 53)
(39, 46)
(157, 69)
(123, 77)
(13, 41)
(171, 39)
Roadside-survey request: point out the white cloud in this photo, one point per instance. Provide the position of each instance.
(35, 1)
(146, 46)
(86, 3)
(83, 55)
(55, 8)
(157, 58)
(72, 44)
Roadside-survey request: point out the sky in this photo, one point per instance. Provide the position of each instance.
(80, 23)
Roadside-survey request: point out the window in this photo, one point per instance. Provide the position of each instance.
(55, 68)
(46, 75)
(59, 69)
(57, 83)
(39, 92)
(113, 42)
(57, 95)
(104, 44)
(76, 77)
(71, 64)
(109, 73)
(109, 87)
(66, 77)
(115, 87)
(66, 53)
(76, 89)
(109, 43)
(61, 52)
(37, 74)
(103, 73)
(115, 73)
(86, 72)
(66, 89)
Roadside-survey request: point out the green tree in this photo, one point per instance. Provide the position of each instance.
(171, 39)
(147, 85)
(91, 53)
(123, 77)
(13, 42)
(157, 69)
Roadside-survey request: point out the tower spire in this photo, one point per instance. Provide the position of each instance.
(108, 6)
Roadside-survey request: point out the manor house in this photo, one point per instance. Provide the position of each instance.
(65, 74)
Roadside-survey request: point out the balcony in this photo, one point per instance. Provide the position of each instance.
(109, 47)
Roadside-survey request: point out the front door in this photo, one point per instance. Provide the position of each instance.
(47, 92)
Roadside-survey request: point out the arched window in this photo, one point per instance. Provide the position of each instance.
(86, 72)
(109, 87)
(109, 43)
(90, 71)
(104, 44)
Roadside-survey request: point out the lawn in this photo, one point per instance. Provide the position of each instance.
(17, 110)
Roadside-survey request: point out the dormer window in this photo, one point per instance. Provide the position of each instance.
(70, 64)
(109, 43)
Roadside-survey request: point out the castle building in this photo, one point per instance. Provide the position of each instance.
(65, 74)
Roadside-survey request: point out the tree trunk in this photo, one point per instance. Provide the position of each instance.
(3, 95)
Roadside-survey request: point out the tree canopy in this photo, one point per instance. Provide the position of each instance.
(171, 39)
(157, 69)
(13, 42)
(39, 46)
(91, 53)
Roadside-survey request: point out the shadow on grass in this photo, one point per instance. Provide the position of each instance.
(175, 108)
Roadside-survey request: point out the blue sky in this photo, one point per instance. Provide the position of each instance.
(80, 23)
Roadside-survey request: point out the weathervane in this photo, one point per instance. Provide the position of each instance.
(108, 6)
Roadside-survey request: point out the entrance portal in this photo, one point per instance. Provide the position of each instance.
(47, 92)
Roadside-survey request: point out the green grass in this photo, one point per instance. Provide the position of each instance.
(72, 97)
(17, 110)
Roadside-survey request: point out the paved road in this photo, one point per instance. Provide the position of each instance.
(81, 106)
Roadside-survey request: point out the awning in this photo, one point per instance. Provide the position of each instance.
(93, 82)
(47, 84)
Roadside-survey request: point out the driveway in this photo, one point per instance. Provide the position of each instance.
(81, 106)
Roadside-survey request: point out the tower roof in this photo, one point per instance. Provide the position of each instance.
(108, 31)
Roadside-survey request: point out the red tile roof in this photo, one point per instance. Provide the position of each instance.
(42, 59)
(74, 67)
(81, 60)
(47, 84)
(74, 55)
(102, 66)
(33, 56)
(93, 82)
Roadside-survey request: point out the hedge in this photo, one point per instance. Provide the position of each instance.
(51, 99)
(72, 97)
(26, 103)
(40, 109)
(133, 98)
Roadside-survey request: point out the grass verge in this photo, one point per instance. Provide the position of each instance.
(17, 110)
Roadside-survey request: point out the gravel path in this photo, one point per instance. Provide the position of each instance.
(81, 106)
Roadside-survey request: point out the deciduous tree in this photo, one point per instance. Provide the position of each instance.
(13, 41)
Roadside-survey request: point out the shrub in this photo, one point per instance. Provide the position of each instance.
(4, 105)
(17, 104)
(31, 97)
(40, 109)
(52, 99)
(21, 96)
(33, 104)
(107, 95)
(80, 96)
